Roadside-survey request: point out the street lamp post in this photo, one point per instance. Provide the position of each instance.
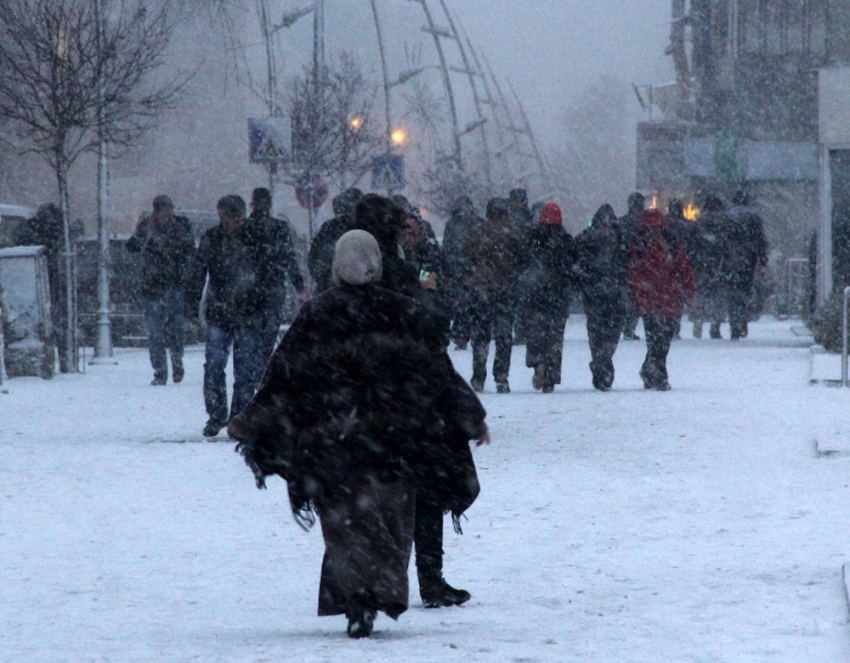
(103, 353)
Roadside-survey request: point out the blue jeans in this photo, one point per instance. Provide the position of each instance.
(164, 316)
(247, 363)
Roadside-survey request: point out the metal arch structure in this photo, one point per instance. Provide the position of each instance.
(510, 131)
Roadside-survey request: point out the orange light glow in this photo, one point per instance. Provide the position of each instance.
(691, 212)
(356, 123)
(398, 137)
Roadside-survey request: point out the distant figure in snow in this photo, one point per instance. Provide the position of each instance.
(661, 282)
(628, 229)
(463, 218)
(495, 256)
(707, 256)
(549, 281)
(167, 248)
(602, 264)
(359, 403)
(746, 258)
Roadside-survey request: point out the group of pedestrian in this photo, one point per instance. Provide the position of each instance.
(728, 250)
(512, 275)
(358, 407)
(240, 269)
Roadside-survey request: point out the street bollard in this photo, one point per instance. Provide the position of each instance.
(844, 340)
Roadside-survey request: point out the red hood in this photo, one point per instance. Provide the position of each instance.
(653, 219)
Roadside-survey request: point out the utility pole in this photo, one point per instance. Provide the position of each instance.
(103, 353)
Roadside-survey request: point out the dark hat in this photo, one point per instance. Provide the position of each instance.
(636, 201)
(261, 195)
(604, 215)
(162, 201)
(380, 217)
(232, 205)
(497, 208)
(518, 196)
(344, 203)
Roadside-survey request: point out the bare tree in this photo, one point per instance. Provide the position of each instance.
(69, 79)
(334, 130)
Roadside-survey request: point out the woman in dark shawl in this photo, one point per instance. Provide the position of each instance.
(355, 386)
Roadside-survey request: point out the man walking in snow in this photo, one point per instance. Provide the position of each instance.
(166, 246)
(232, 255)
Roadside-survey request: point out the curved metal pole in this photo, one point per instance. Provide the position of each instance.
(383, 55)
(479, 113)
(432, 28)
(490, 99)
(544, 173)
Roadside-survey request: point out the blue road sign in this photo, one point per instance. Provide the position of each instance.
(269, 139)
(388, 172)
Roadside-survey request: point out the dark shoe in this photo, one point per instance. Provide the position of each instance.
(630, 336)
(697, 330)
(539, 374)
(548, 388)
(663, 386)
(213, 427)
(440, 594)
(460, 346)
(177, 372)
(159, 379)
(477, 385)
(503, 387)
(361, 622)
(714, 332)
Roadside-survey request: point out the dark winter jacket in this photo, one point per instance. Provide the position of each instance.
(746, 246)
(602, 257)
(166, 254)
(360, 386)
(659, 272)
(708, 252)
(322, 249)
(462, 220)
(494, 255)
(549, 278)
(236, 264)
(282, 257)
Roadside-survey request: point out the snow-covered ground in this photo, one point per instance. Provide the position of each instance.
(695, 525)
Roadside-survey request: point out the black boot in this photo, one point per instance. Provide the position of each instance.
(437, 593)
(361, 617)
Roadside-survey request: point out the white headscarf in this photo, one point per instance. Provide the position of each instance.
(357, 259)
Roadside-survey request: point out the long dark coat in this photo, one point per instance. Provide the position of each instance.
(359, 403)
(547, 284)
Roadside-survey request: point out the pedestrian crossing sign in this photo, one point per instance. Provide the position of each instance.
(388, 172)
(269, 139)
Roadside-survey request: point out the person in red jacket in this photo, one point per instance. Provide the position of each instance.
(661, 282)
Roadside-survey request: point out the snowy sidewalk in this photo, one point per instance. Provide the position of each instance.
(694, 525)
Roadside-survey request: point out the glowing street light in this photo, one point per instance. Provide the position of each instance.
(398, 137)
(355, 123)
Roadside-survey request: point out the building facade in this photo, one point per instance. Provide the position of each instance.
(745, 110)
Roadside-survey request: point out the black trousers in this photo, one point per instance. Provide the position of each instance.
(738, 299)
(659, 336)
(428, 535)
(492, 316)
(603, 334)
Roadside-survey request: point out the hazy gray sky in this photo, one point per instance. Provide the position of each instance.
(551, 50)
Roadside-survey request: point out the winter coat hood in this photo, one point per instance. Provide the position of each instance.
(653, 219)
(357, 259)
